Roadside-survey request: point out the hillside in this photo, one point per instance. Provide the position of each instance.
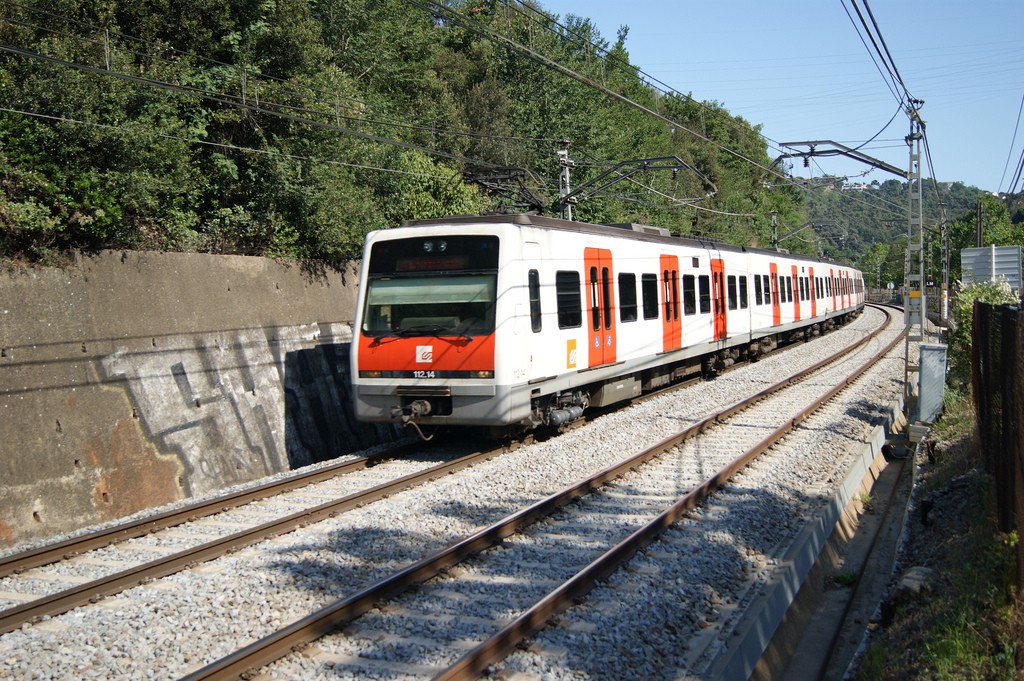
(292, 128)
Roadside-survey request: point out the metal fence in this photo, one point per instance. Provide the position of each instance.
(997, 343)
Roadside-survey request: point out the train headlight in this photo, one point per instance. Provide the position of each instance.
(483, 373)
(370, 374)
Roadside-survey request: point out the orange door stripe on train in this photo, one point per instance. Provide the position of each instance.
(796, 295)
(671, 324)
(776, 310)
(600, 285)
(832, 287)
(718, 296)
(814, 292)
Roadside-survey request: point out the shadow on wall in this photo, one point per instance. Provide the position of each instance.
(319, 421)
(238, 405)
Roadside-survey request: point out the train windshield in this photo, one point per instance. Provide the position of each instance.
(459, 305)
(432, 286)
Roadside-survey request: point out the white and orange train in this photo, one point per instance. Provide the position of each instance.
(513, 322)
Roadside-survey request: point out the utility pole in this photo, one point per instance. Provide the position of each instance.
(916, 309)
(979, 232)
(563, 179)
(944, 294)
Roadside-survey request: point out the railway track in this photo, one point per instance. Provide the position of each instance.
(486, 593)
(283, 560)
(98, 565)
(16, 563)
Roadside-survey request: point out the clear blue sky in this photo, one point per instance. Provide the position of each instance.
(799, 68)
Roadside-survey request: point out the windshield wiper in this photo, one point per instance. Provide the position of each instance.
(432, 330)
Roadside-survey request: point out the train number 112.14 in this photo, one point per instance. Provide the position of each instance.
(423, 374)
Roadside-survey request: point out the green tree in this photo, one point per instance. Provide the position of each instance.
(997, 230)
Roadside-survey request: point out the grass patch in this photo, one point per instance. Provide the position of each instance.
(968, 625)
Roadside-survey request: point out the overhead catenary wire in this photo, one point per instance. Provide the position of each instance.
(624, 66)
(1013, 142)
(250, 106)
(886, 74)
(896, 80)
(888, 56)
(329, 100)
(475, 26)
(233, 147)
(264, 108)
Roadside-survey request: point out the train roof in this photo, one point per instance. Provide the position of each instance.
(638, 231)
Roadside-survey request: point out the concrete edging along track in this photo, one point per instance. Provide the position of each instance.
(766, 639)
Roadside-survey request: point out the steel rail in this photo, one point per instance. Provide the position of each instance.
(90, 592)
(68, 548)
(496, 648)
(295, 636)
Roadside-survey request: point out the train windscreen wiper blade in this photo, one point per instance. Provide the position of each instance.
(432, 330)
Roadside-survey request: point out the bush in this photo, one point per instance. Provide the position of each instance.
(991, 292)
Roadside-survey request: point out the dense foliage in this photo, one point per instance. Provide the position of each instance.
(867, 223)
(293, 127)
(990, 292)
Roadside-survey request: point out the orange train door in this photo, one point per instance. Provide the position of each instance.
(600, 305)
(672, 327)
(718, 296)
(776, 310)
(832, 287)
(796, 294)
(813, 291)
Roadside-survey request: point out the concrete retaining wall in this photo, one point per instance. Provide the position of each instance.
(134, 379)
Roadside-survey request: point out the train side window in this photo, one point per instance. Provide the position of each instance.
(606, 291)
(649, 290)
(689, 294)
(570, 302)
(757, 289)
(675, 294)
(731, 284)
(534, 286)
(767, 288)
(595, 308)
(627, 297)
(704, 285)
(665, 279)
(743, 293)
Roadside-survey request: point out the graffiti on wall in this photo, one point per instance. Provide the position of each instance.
(218, 401)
